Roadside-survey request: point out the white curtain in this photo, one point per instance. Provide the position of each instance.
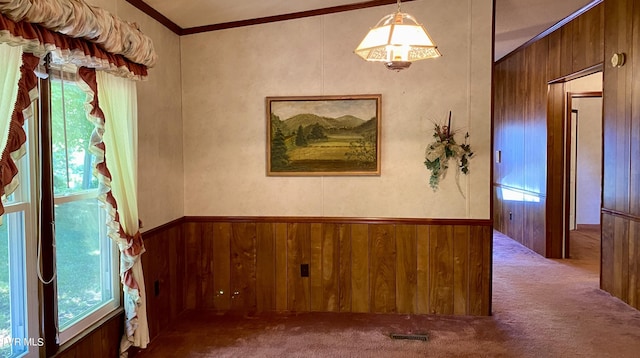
(118, 101)
(11, 60)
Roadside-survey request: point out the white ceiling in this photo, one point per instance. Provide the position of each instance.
(517, 21)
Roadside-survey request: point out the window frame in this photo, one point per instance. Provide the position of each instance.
(108, 246)
(23, 202)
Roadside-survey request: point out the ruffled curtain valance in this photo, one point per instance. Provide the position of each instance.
(64, 49)
(77, 19)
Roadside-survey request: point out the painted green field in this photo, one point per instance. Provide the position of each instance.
(334, 148)
(327, 155)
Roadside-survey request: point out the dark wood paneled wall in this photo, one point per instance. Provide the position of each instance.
(103, 342)
(164, 268)
(254, 265)
(621, 191)
(529, 130)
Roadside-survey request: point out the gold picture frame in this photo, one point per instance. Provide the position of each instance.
(324, 135)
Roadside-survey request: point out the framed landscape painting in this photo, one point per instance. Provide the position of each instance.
(323, 135)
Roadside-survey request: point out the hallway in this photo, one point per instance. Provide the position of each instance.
(554, 308)
(542, 308)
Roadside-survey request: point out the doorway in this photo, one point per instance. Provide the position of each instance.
(583, 157)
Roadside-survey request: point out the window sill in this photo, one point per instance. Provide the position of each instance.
(115, 314)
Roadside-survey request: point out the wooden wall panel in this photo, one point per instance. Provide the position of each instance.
(461, 270)
(621, 131)
(529, 128)
(360, 268)
(330, 263)
(344, 279)
(372, 266)
(265, 267)
(282, 290)
(555, 208)
(206, 267)
(363, 265)
(222, 265)
(534, 119)
(617, 107)
(634, 264)
(193, 238)
(588, 39)
(177, 271)
(606, 257)
(243, 267)
(382, 270)
(479, 278)
(441, 269)
(407, 268)
(634, 179)
(316, 268)
(423, 250)
(298, 253)
(566, 59)
(102, 342)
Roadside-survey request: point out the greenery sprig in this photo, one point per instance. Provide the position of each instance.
(444, 147)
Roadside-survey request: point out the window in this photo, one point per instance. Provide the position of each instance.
(86, 259)
(19, 335)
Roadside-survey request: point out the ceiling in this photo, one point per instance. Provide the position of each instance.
(517, 21)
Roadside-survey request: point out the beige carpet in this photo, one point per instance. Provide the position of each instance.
(542, 308)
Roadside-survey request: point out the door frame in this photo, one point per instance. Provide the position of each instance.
(567, 163)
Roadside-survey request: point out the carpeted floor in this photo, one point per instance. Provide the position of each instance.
(541, 308)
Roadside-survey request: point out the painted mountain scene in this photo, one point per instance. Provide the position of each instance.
(324, 135)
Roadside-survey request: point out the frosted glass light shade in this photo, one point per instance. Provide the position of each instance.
(397, 40)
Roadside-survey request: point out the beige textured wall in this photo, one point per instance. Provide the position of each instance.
(227, 75)
(160, 160)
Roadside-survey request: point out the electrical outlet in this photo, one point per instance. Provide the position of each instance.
(304, 270)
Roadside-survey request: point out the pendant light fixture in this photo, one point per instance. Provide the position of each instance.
(397, 40)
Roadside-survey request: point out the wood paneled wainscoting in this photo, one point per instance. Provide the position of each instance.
(256, 264)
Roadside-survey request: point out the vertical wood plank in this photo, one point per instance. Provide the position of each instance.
(566, 50)
(588, 39)
(441, 269)
(422, 262)
(407, 267)
(192, 278)
(487, 264)
(316, 267)
(606, 256)
(298, 252)
(621, 258)
(176, 271)
(207, 297)
(634, 264)
(243, 267)
(360, 267)
(476, 270)
(634, 177)
(222, 265)
(265, 267)
(330, 267)
(281, 267)
(344, 280)
(382, 251)
(151, 275)
(461, 270)
(552, 242)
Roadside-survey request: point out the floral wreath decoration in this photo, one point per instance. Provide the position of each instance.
(444, 148)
